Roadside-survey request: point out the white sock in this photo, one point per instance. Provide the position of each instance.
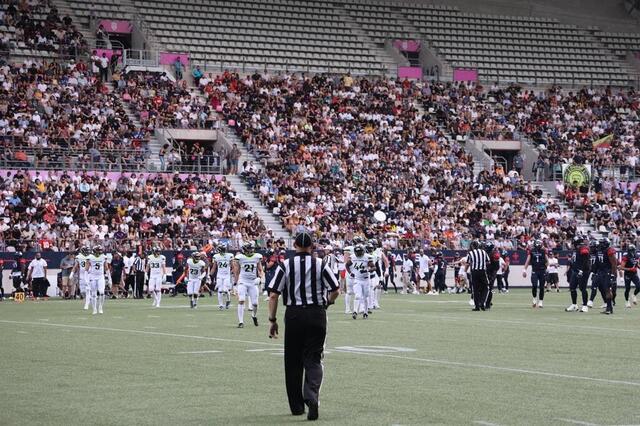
(254, 313)
(220, 298)
(347, 302)
(356, 304)
(100, 301)
(378, 292)
(87, 299)
(94, 301)
(158, 297)
(240, 312)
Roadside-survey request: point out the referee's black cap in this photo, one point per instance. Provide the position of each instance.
(304, 240)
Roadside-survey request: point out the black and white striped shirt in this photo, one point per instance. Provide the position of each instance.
(477, 260)
(138, 264)
(303, 280)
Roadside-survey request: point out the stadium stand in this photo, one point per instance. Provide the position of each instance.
(64, 210)
(330, 166)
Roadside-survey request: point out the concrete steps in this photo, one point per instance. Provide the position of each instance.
(271, 221)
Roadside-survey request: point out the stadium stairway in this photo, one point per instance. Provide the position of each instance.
(270, 220)
(385, 59)
(154, 145)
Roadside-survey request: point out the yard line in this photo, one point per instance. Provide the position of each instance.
(199, 352)
(150, 333)
(577, 422)
(405, 358)
(515, 322)
(482, 422)
(493, 367)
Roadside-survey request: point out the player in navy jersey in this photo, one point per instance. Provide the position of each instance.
(440, 273)
(492, 270)
(605, 268)
(593, 248)
(578, 274)
(537, 258)
(629, 265)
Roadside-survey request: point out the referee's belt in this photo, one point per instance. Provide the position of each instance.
(478, 270)
(295, 307)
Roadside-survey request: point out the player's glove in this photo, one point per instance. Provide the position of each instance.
(580, 273)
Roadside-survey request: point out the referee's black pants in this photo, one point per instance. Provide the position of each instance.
(304, 335)
(480, 288)
(139, 284)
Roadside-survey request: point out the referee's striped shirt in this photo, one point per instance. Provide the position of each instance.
(138, 264)
(303, 280)
(477, 260)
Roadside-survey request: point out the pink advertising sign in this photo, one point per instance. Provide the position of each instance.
(465, 75)
(407, 45)
(410, 72)
(168, 58)
(116, 26)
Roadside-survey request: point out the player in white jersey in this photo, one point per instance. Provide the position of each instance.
(247, 274)
(194, 273)
(221, 268)
(381, 264)
(424, 264)
(97, 266)
(349, 292)
(360, 267)
(80, 268)
(156, 273)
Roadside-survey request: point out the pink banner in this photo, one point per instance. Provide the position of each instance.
(465, 75)
(410, 72)
(168, 58)
(407, 45)
(115, 26)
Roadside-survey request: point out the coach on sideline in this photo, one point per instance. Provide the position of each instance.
(303, 282)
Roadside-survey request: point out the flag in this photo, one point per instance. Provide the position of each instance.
(604, 142)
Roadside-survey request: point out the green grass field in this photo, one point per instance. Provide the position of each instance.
(136, 365)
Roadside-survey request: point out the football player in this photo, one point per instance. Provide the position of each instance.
(360, 267)
(629, 265)
(194, 273)
(156, 273)
(247, 274)
(80, 268)
(97, 265)
(221, 269)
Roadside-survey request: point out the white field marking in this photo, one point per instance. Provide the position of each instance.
(576, 422)
(493, 367)
(266, 350)
(43, 319)
(150, 327)
(482, 422)
(153, 316)
(374, 349)
(199, 352)
(21, 332)
(515, 322)
(150, 333)
(466, 301)
(406, 358)
(117, 317)
(191, 326)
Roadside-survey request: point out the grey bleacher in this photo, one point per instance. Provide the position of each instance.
(619, 43)
(519, 48)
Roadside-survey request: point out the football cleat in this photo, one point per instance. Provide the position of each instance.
(627, 304)
(590, 303)
(540, 304)
(354, 315)
(226, 305)
(255, 321)
(240, 325)
(471, 302)
(571, 308)
(365, 316)
(634, 299)
(534, 303)
(221, 308)
(584, 309)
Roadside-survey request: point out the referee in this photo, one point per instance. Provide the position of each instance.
(303, 281)
(477, 261)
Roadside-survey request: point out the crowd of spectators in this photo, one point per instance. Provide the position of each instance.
(61, 211)
(60, 114)
(339, 148)
(37, 25)
(161, 102)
